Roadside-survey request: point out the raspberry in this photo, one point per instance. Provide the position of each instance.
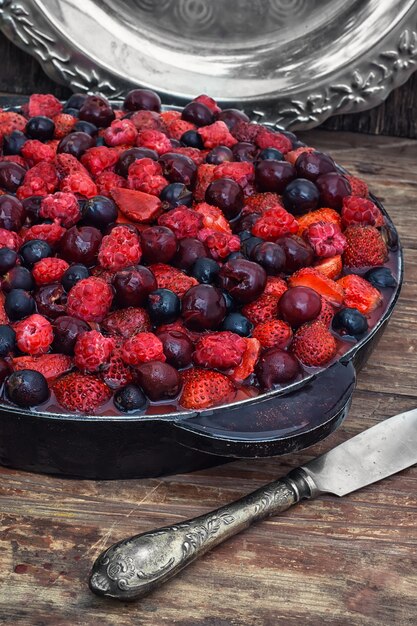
(219, 244)
(142, 348)
(120, 132)
(167, 117)
(9, 239)
(90, 299)
(127, 322)
(266, 138)
(178, 127)
(168, 277)
(64, 123)
(220, 350)
(43, 104)
(52, 233)
(146, 175)
(119, 249)
(358, 186)
(49, 365)
(92, 351)
(293, 155)
(81, 392)
(117, 374)
(203, 389)
(155, 140)
(194, 154)
(245, 131)
(260, 202)
(365, 247)
(359, 293)
(241, 172)
(49, 270)
(213, 217)
(357, 210)
(273, 334)
(205, 175)
(40, 180)
(67, 164)
(274, 223)
(262, 309)
(149, 120)
(216, 134)
(35, 151)
(275, 286)
(209, 102)
(98, 159)
(184, 222)
(34, 335)
(330, 216)
(62, 207)
(79, 184)
(106, 181)
(10, 121)
(326, 239)
(314, 345)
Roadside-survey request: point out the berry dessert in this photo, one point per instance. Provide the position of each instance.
(154, 261)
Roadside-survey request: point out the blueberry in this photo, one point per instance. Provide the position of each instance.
(244, 234)
(71, 111)
(192, 139)
(237, 323)
(230, 303)
(18, 278)
(100, 141)
(381, 277)
(4, 370)
(350, 322)
(8, 259)
(197, 113)
(235, 255)
(249, 244)
(19, 304)
(34, 250)
(76, 101)
(73, 274)
(13, 143)
(7, 339)
(300, 196)
(85, 127)
(270, 154)
(99, 211)
(176, 194)
(164, 306)
(129, 398)
(40, 127)
(27, 388)
(205, 270)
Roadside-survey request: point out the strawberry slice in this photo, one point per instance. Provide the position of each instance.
(359, 293)
(205, 388)
(50, 365)
(313, 278)
(137, 205)
(3, 315)
(249, 359)
(330, 267)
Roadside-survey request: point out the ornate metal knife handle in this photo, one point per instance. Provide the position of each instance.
(134, 567)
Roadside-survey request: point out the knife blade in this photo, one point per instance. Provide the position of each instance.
(133, 567)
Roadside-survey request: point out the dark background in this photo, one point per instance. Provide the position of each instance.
(21, 74)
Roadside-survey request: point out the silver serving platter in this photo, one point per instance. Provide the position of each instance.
(289, 62)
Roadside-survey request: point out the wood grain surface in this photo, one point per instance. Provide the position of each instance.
(348, 561)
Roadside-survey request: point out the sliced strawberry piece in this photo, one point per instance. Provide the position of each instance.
(50, 365)
(313, 278)
(213, 217)
(249, 359)
(205, 388)
(360, 294)
(168, 277)
(330, 267)
(137, 205)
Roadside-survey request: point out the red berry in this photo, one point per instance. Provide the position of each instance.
(359, 293)
(216, 134)
(360, 211)
(178, 127)
(146, 175)
(61, 206)
(49, 270)
(209, 102)
(220, 350)
(249, 359)
(150, 120)
(260, 202)
(120, 132)
(90, 299)
(275, 286)
(64, 123)
(242, 173)
(52, 233)
(358, 186)
(49, 365)
(9, 239)
(98, 159)
(10, 121)
(364, 247)
(205, 175)
(314, 344)
(40, 180)
(326, 239)
(184, 222)
(34, 335)
(142, 348)
(120, 249)
(155, 140)
(81, 392)
(127, 322)
(273, 334)
(116, 373)
(203, 389)
(67, 164)
(43, 104)
(92, 351)
(79, 184)
(274, 223)
(107, 181)
(213, 217)
(262, 309)
(331, 266)
(136, 205)
(34, 151)
(266, 138)
(311, 277)
(326, 313)
(219, 244)
(168, 277)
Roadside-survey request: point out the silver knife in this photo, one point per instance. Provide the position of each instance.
(133, 567)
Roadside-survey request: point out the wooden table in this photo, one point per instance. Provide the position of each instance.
(336, 562)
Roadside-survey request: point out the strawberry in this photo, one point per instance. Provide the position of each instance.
(127, 322)
(43, 104)
(64, 124)
(262, 309)
(172, 278)
(330, 216)
(260, 202)
(358, 186)
(273, 334)
(50, 365)
(137, 205)
(365, 247)
(249, 360)
(81, 392)
(275, 286)
(3, 315)
(330, 267)
(205, 388)
(326, 313)
(205, 175)
(10, 121)
(313, 278)
(314, 344)
(212, 217)
(359, 293)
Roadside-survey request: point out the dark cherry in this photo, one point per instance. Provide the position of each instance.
(159, 244)
(133, 286)
(245, 151)
(160, 381)
(270, 154)
(12, 213)
(18, 278)
(178, 348)
(176, 194)
(76, 144)
(273, 175)
(244, 280)
(192, 139)
(301, 196)
(226, 194)
(7, 339)
(271, 256)
(130, 398)
(85, 127)
(333, 188)
(80, 245)
(381, 277)
(178, 168)
(4, 370)
(205, 270)
(298, 253)
(232, 116)
(13, 143)
(31, 207)
(76, 101)
(276, 367)
(298, 305)
(235, 255)
(97, 110)
(99, 211)
(11, 175)
(8, 259)
(66, 331)
(142, 99)
(311, 165)
(350, 322)
(197, 113)
(230, 303)
(237, 323)
(34, 250)
(203, 307)
(73, 275)
(27, 388)
(218, 155)
(40, 127)
(249, 244)
(189, 250)
(131, 155)
(18, 304)
(164, 306)
(51, 300)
